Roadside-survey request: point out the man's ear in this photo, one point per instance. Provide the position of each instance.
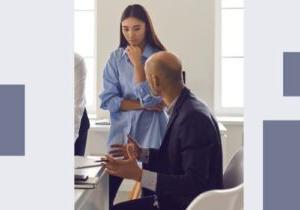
(156, 80)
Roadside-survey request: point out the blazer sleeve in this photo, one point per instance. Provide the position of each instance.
(151, 164)
(111, 95)
(195, 151)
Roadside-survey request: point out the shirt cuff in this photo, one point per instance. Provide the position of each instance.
(149, 180)
(144, 156)
(113, 105)
(144, 93)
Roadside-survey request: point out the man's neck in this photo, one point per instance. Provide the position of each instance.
(171, 94)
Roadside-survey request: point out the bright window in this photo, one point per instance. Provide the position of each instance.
(230, 56)
(85, 45)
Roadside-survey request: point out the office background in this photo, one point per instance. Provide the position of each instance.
(37, 50)
(206, 35)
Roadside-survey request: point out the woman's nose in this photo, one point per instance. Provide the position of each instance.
(130, 34)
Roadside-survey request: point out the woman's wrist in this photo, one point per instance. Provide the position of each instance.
(138, 66)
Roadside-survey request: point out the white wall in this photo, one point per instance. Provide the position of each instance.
(184, 27)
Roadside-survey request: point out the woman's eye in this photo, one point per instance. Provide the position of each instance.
(136, 29)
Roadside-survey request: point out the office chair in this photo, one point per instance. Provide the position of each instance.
(234, 174)
(229, 198)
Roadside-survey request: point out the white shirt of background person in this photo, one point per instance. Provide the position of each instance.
(79, 89)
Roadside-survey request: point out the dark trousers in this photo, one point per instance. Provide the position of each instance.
(114, 184)
(80, 143)
(145, 203)
(149, 203)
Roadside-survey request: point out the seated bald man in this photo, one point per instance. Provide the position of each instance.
(189, 161)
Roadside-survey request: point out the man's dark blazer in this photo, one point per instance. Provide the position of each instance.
(189, 160)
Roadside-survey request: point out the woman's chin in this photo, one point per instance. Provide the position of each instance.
(133, 44)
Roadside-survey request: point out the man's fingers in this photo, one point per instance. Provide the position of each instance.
(109, 166)
(111, 172)
(117, 154)
(115, 151)
(110, 159)
(117, 145)
(114, 162)
(128, 151)
(131, 152)
(111, 163)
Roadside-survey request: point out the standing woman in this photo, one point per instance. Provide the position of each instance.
(133, 110)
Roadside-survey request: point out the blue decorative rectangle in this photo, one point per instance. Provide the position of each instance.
(12, 120)
(291, 73)
(281, 168)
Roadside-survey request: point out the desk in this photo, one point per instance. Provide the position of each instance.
(93, 199)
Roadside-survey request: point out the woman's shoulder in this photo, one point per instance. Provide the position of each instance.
(150, 49)
(117, 53)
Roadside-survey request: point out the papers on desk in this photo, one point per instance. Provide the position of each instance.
(102, 122)
(90, 183)
(84, 186)
(86, 162)
(90, 180)
(83, 165)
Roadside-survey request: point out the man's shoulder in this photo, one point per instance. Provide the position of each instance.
(193, 104)
(194, 108)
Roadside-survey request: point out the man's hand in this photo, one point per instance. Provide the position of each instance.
(122, 150)
(134, 53)
(128, 169)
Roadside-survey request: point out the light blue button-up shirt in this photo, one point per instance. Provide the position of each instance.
(147, 127)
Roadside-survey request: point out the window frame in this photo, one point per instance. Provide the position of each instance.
(92, 108)
(219, 109)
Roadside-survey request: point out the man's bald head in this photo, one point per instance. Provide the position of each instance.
(166, 65)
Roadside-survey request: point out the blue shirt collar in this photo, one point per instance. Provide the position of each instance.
(148, 51)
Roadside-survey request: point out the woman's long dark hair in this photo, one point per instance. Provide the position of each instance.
(139, 12)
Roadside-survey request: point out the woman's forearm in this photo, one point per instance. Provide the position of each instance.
(127, 105)
(139, 73)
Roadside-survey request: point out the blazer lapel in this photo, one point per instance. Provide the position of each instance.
(176, 109)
